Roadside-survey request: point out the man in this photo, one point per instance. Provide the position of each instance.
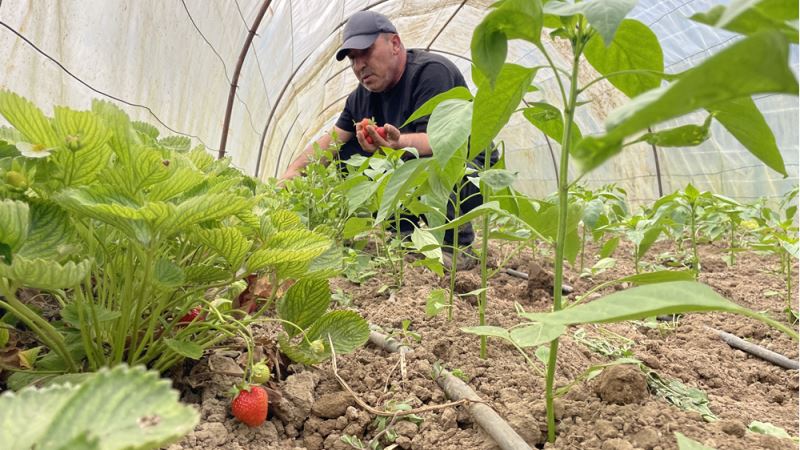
(394, 82)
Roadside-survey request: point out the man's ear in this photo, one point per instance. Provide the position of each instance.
(397, 44)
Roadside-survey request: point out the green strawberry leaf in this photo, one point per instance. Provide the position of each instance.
(176, 143)
(293, 247)
(27, 119)
(228, 242)
(45, 274)
(304, 303)
(14, 223)
(168, 274)
(84, 137)
(206, 274)
(51, 234)
(122, 408)
(346, 329)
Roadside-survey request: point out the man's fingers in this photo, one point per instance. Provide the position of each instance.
(361, 136)
(376, 138)
(392, 133)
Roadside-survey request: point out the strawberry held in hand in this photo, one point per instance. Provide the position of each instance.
(365, 122)
(250, 406)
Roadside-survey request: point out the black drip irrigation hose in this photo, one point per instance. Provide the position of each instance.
(495, 426)
(756, 350)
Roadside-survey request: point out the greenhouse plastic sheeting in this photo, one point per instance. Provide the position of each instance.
(170, 63)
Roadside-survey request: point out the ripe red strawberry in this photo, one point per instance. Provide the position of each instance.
(191, 315)
(250, 406)
(365, 122)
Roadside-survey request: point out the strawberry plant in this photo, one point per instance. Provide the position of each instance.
(142, 242)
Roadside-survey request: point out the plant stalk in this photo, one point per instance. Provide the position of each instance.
(44, 331)
(694, 241)
(453, 260)
(733, 244)
(583, 245)
(400, 250)
(484, 279)
(563, 191)
(789, 290)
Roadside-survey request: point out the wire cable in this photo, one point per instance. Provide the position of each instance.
(441, 30)
(191, 19)
(703, 51)
(224, 66)
(670, 12)
(98, 91)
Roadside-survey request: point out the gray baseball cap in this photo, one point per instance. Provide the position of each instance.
(361, 31)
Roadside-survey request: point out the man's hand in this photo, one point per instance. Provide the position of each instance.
(288, 175)
(370, 137)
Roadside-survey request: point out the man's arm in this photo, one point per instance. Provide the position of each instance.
(324, 143)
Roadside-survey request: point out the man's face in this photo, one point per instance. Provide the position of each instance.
(377, 67)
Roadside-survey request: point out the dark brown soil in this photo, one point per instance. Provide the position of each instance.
(612, 411)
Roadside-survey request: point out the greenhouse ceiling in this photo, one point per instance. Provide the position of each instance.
(172, 63)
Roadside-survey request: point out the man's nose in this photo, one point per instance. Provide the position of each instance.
(358, 63)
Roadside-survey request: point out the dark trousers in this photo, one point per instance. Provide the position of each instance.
(470, 199)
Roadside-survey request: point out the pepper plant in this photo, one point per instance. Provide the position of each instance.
(626, 54)
(601, 207)
(642, 230)
(687, 204)
(724, 215)
(778, 235)
(319, 197)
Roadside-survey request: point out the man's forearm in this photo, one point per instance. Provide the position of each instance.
(299, 163)
(418, 141)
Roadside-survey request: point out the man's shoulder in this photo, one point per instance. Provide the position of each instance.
(419, 59)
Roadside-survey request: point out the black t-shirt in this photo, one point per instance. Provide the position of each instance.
(426, 75)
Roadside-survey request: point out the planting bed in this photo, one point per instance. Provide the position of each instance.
(314, 411)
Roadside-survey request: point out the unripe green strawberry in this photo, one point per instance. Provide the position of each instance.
(260, 373)
(16, 179)
(250, 406)
(73, 142)
(317, 346)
